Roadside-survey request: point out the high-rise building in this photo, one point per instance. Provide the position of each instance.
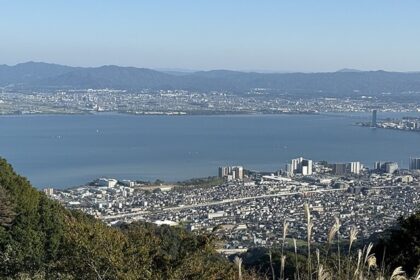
(306, 167)
(223, 171)
(374, 115)
(231, 172)
(289, 169)
(391, 167)
(354, 167)
(377, 165)
(48, 191)
(300, 166)
(296, 165)
(387, 167)
(238, 172)
(339, 168)
(415, 163)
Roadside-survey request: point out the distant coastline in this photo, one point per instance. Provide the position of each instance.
(409, 124)
(204, 113)
(386, 128)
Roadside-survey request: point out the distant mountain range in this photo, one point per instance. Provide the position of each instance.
(44, 76)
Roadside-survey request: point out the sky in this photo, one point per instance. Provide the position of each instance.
(262, 35)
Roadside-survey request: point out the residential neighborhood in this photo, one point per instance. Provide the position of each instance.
(249, 210)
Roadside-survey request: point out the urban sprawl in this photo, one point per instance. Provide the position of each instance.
(406, 123)
(181, 102)
(247, 209)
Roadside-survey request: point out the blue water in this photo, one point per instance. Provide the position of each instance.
(63, 151)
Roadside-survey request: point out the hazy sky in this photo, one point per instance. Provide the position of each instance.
(292, 35)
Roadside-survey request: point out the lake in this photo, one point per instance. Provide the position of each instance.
(69, 150)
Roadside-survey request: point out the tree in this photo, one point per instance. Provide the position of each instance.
(7, 213)
(40, 239)
(401, 245)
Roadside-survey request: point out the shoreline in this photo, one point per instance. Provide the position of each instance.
(168, 114)
(86, 131)
(366, 125)
(216, 113)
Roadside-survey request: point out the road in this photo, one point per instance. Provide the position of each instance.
(210, 203)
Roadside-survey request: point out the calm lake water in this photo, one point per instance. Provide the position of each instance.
(63, 151)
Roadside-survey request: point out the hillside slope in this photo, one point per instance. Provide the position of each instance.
(39, 238)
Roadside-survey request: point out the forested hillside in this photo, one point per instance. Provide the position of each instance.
(39, 239)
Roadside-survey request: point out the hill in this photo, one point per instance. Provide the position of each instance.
(39, 239)
(30, 72)
(43, 76)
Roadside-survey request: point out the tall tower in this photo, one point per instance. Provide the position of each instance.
(223, 171)
(415, 163)
(374, 113)
(354, 167)
(306, 166)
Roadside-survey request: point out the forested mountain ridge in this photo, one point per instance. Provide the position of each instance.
(44, 76)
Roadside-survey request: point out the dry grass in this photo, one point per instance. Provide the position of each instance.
(331, 268)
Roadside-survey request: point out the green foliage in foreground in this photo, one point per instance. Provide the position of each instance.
(401, 245)
(39, 239)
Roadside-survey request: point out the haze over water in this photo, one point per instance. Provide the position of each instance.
(62, 151)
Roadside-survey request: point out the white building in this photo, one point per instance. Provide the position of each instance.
(391, 167)
(218, 214)
(110, 183)
(231, 172)
(128, 183)
(238, 172)
(355, 167)
(300, 166)
(49, 191)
